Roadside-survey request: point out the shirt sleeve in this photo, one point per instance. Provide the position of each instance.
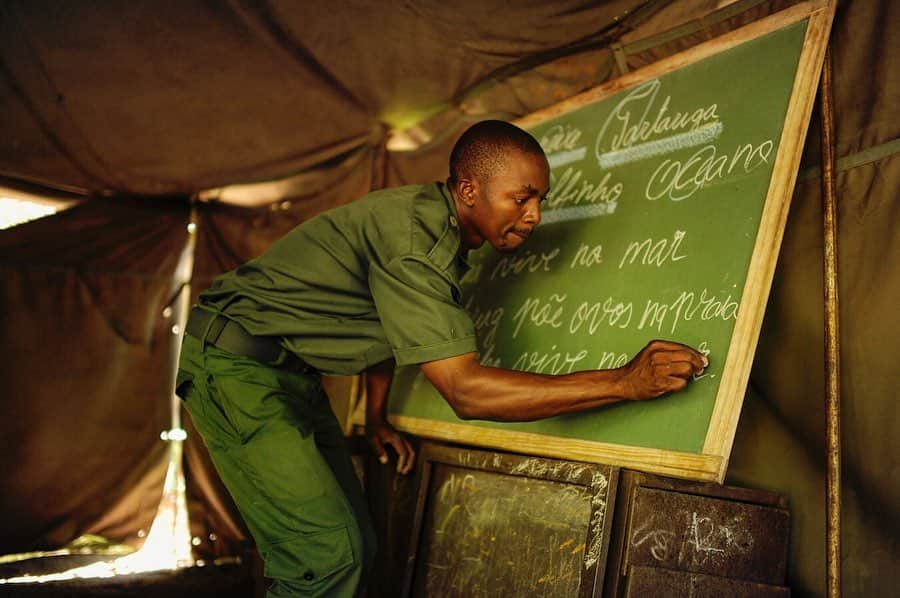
(420, 312)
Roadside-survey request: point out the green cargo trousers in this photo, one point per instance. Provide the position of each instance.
(280, 451)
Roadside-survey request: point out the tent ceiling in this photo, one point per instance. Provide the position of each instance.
(151, 98)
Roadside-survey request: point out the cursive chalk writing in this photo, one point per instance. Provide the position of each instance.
(513, 265)
(570, 189)
(587, 256)
(560, 138)
(610, 312)
(687, 306)
(486, 324)
(540, 313)
(633, 119)
(679, 180)
(553, 362)
(654, 252)
(610, 359)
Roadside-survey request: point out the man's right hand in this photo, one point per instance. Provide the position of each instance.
(660, 367)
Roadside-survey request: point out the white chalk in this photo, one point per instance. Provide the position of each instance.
(642, 151)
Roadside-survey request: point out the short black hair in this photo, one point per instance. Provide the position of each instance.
(482, 149)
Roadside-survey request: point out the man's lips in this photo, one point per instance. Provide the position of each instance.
(521, 233)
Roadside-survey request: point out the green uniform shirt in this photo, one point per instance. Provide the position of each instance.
(360, 283)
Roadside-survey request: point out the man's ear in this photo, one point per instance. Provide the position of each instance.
(468, 190)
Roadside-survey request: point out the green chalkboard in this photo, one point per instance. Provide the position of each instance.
(658, 190)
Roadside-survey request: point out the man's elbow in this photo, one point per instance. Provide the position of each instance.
(464, 408)
(460, 380)
(464, 401)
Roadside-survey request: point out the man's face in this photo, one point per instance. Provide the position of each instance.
(507, 205)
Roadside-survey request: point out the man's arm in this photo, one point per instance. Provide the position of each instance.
(475, 391)
(378, 430)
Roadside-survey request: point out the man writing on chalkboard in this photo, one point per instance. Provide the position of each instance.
(365, 287)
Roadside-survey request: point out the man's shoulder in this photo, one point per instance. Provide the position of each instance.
(414, 215)
(388, 195)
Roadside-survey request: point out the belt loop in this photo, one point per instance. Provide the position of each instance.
(216, 314)
(206, 330)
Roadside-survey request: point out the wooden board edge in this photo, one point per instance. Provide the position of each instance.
(612, 492)
(672, 463)
(423, 475)
(729, 400)
(707, 49)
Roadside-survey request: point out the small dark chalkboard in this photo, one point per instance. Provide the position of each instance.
(653, 581)
(494, 524)
(724, 540)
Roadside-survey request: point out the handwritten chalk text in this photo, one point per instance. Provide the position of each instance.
(678, 180)
(513, 265)
(540, 313)
(687, 306)
(657, 253)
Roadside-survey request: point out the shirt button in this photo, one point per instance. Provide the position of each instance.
(453, 221)
(309, 576)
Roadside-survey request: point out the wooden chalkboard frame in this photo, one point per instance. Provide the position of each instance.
(711, 462)
(600, 480)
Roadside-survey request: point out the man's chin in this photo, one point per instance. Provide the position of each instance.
(511, 244)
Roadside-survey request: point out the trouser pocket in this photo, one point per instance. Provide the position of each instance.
(317, 563)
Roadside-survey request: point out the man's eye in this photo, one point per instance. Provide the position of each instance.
(521, 200)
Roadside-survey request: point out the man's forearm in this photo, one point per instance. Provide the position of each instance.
(378, 383)
(480, 392)
(505, 395)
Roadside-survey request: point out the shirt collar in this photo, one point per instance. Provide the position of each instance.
(453, 225)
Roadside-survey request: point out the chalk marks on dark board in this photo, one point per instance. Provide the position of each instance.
(492, 524)
(705, 534)
(598, 485)
(481, 530)
(698, 539)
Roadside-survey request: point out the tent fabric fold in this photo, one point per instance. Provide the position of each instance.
(85, 339)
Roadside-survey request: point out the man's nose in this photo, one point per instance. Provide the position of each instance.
(533, 214)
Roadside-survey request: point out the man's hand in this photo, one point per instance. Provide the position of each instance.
(660, 367)
(381, 434)
(378, 431)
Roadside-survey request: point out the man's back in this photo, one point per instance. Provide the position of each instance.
(318, 286)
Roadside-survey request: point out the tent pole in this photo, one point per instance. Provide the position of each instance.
(168, 543)
(832, 335)
(184, 274)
